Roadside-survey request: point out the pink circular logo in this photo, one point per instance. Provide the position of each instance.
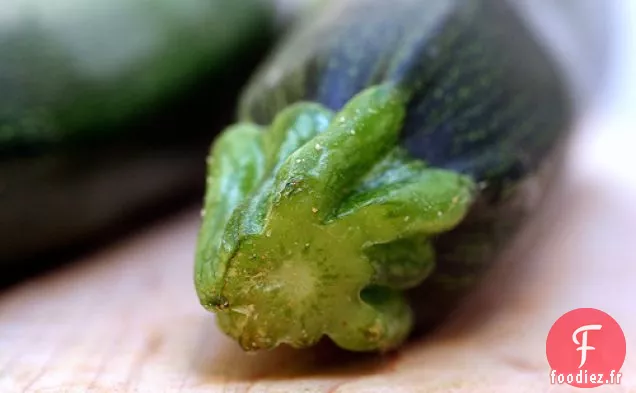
(586, 349)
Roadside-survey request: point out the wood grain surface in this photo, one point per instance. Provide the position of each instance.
(126, 319)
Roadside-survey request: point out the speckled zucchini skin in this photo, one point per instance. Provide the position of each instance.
(106, 107)
(487, 101)
(479, 98)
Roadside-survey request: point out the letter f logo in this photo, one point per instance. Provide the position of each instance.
(583, 344)
(601, 334)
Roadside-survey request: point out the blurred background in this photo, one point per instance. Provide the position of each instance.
(107, 112)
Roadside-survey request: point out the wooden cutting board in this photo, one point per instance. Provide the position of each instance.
(126, 319)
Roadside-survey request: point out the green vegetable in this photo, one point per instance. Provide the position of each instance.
(105, 109)
(314, 221)
(379, 154)
(76, 67)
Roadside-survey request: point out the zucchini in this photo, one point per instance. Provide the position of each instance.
(375, 171)
(105, 109)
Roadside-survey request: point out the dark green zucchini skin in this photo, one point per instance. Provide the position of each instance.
(487, 100)
(106, 109)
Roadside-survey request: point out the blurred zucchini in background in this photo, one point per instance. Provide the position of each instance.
(105, 107)
(380, 160)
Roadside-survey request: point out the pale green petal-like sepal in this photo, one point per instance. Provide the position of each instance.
(314, 226)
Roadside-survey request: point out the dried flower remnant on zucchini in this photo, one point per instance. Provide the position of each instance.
(316, 226)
